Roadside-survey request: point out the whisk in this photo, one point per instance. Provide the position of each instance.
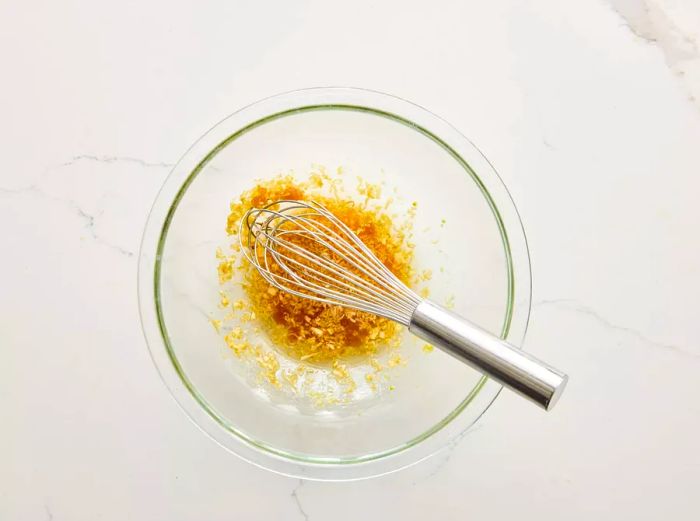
(302, 248)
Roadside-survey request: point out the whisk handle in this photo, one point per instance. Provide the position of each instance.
(485, 352)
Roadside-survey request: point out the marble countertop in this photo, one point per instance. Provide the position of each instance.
(590, 113)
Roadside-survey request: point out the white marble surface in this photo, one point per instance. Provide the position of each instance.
(590, 112)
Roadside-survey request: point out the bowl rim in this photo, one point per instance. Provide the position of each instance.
(444, 432)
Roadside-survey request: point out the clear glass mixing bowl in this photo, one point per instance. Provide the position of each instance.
(480, 260)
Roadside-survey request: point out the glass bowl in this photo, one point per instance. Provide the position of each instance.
(472, 239)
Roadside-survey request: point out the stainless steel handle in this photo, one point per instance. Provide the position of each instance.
(485, 352)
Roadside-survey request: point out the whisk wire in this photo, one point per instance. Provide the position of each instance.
(328, 283)
(345, 272)
(360, 283)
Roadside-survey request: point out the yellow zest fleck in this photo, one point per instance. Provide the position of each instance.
(395, 361)
(216, 323)
(316, 180)
(239, 348)
(248, 317)
(342, 375)
(291, 377)
(225, 271)
(269, 365)
(236, 333)
(427, 348)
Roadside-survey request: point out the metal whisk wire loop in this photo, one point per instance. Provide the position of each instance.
(302, 248)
